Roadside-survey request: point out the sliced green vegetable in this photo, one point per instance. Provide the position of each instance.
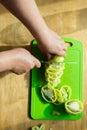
(55, 113)
(74, 106)
(63, 94)
(66, 92)
(48, 94)
(52, 94)
(35, 128)
(42, 127)
(53, 75)
(59, 98)
(54, 70)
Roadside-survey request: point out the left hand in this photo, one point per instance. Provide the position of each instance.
(52, 44)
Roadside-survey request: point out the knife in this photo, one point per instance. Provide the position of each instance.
(60, 62)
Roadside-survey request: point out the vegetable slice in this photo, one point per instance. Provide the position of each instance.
(59, 98)
(48, 94)
(42, 127)
(74, 106)
(66, 92)
(63, 94)
(54, 70)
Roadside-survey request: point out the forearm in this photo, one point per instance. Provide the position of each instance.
(28, 13)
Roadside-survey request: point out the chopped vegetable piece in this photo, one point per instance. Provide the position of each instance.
(74, 106)
(54, 71)
(53, 75)
(42, 127)
(35, 128)
(59, 98)
(66, 92)
(55, 113)
(48, 94)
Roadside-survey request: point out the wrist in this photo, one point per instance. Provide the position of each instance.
(42, 35)
(5, 61)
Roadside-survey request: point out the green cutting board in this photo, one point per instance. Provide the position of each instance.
(72, 76)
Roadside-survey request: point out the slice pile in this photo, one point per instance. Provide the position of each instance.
(52, 94)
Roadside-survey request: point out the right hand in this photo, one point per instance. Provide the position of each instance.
(22, 61)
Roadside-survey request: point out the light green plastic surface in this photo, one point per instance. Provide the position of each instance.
(73, 74)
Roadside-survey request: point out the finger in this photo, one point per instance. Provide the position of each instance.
(63, 46)
(49, 56)
(62, 53)
(36, 62)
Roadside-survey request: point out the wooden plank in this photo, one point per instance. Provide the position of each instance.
(51, 7)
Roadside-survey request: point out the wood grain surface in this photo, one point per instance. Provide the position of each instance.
(68, 18)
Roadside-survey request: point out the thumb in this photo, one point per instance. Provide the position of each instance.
(49, 56)
(62, 53)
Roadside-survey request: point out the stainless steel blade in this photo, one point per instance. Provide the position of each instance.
(65, 62)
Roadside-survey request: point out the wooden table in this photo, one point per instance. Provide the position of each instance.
(68, 18)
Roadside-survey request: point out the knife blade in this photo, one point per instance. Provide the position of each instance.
(62, 62)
